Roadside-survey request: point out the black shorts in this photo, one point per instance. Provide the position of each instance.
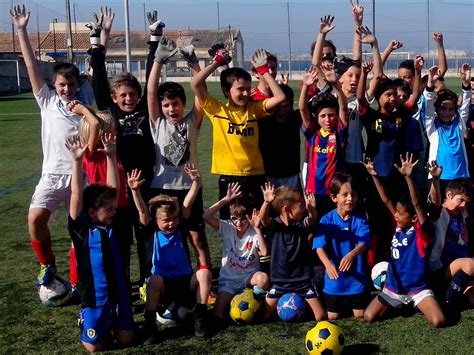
(195, 222)
(339, 303)
(179, 291)
(304, 288)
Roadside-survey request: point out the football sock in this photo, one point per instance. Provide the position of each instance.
(200, 309)
(73, 278)
(44, 251)
(457, 285)
(150, 319)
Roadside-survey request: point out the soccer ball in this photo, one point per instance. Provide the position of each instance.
(325, 338)
(55, 293)
(243, 307)
(172, 314)
(291, 307)
(379, 273)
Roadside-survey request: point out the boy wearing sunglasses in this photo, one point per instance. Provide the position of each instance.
(242, 244)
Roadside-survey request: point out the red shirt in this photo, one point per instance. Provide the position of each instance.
(95, 166)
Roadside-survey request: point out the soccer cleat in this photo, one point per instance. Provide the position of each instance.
(46, 274)
(142, 291)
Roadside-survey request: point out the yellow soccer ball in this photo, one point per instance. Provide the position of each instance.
(243, 307)
(325, 338)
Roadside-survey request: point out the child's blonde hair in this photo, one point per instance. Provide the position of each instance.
(163, 203)
(106, 124)
(286, 196)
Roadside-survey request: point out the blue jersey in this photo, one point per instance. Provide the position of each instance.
(408, 266)
(99, 265)
(338, 237)
(170, 255)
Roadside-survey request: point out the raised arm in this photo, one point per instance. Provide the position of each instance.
(358, 16)
(332, 80)
(135, 183)
(93, 121)
(325, 27)
(442, 62)
(361, 97)
(190, 57)
(406, 169)
(166, 49)
(255, 222)
(369, 165)
(464, 108)
(393, 45)
(20, 18)
(366, 36)
(435, 171)
(310, 77)
(188, 202)
(259, 62)
(416, 92)
(310, 202)
(76, 150)
(109, 141)
(268, 191)
(198, 83)
(233, 191)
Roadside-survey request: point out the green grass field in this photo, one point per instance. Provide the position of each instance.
(29, 327)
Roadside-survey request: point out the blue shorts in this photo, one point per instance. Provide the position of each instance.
(304, 288)
(97, 322)
(234, 286)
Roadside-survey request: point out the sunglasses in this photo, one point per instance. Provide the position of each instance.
(235, 219)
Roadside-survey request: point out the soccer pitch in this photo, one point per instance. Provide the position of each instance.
(29, 327)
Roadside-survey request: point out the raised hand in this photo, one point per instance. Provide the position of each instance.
(367, 66)
(220, 54)
(259, 59)
(327, 69)
(107, 18)
(434, 169)
(310, 201)
(192, 172)
(188, 54)
(133, 179)
(166, 49)
(233, 191)
(394, 45)
(357, 12)
(268, 192)
(77, 107)
(419, 63)
(433, 72)
(326, 25)
(465, 74)
(95, 27)
(76, 149)
(310, 76)
(284, 78)
(407, 166)
(19, 16)
(156, 26)
(254, 220)
(109, 142)
(369, 165)
(438, 38)
(365, 35)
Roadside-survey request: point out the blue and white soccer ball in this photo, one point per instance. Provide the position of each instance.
(291, 307)
(379, 274)
(55, 293)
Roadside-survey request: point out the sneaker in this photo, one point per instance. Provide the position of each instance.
(142, 292)
(46, 274)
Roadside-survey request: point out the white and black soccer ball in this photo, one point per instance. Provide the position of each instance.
(379, 274)
(172, 314)
(55, 293)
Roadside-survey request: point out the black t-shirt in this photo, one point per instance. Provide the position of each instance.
(291, 259)
(135, 147)
(280, 145)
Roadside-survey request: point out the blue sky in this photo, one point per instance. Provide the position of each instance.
(264, 22)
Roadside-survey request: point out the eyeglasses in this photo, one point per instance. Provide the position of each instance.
(235, 219)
